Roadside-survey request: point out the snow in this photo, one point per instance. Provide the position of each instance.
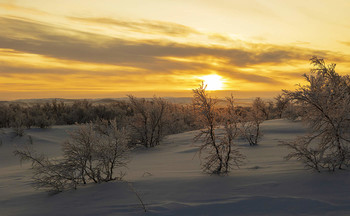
(170, 182)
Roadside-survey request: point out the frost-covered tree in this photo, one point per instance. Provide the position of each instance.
(148, 120)
(88, 156)
(112, 151)
(231, 154)
(218, 153)
(96, 153)
(18, 123)
(251, 120)
(51, 175)
(281, 104)
(325, 101)
(262, 108)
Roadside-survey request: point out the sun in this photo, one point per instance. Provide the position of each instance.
(213, 82)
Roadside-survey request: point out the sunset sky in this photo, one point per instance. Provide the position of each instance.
(110, 48)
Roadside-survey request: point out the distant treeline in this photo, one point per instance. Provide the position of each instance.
(46, 114)
(138, 114)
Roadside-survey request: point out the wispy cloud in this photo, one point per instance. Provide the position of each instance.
(347, 43)
(56, 42)
(15, 7)
(143, 26)
(111, 60)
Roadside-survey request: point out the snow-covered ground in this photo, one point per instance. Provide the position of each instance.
(170, 181)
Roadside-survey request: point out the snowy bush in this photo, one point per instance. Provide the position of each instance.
(88, 156)
(262, 108)
(218, 154)
(325, 101)
(148, 120)
(180, 118)
(251, 120)
(18, 124)
(281, 104)
(52, 175)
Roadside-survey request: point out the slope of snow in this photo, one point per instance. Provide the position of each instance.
(170, 181)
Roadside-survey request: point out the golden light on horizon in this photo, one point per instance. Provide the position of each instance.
(213, 82)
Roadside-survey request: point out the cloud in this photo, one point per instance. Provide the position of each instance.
(251, 77)
(70, 44)
(146, 56)
(347, 43)
(143, 26)
(14, 7)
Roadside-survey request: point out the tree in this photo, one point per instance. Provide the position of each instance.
(250, 122)
(112, 151)
(232, 156)
(261, 108)
(80, 151)
(88, 156)
(95, 153)
(218, 154)
(148, 120)
(52, 175)
(281, 104)
(18, 124)
(326, 104)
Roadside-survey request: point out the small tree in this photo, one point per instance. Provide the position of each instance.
(52, 175)
(250, 122)
(281, 104)
(326, 104)
(262, 108)
(80, 151)
(112, 151)
(18, 124)
(219, 155)
(89, 156)
(232, 156)
(96, 153)
(148, 120)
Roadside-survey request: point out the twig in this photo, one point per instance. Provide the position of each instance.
(137, 194)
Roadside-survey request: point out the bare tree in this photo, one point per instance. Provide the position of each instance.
(326, 105)
(311, 156)
(281, 104)
(148, 120)
(218, 154)
(250, 122)
(262, 108)
(97, 153)
(54, 176)
(18, 125)
(80, 151)
(112, 151)
(231, 155)
(89, 156)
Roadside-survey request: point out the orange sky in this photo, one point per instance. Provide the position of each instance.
(110, 48)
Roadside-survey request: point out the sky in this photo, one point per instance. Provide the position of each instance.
(112, 48)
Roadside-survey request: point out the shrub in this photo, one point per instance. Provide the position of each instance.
(88, 156)
(325, 101)
(219, 154)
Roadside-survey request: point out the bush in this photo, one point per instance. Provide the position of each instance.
(148, 120)
(219, 154)
(250, 121)
(325, 102)
(18, 124)
(89, 156)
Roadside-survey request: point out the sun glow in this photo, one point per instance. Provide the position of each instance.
(213, 82)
